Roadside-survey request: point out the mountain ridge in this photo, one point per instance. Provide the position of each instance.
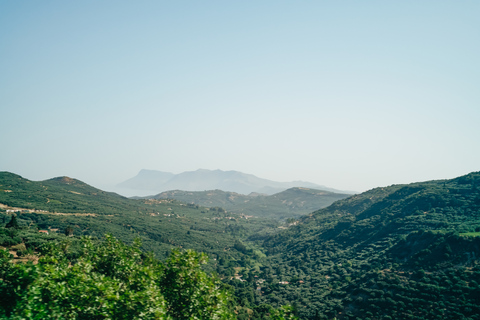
(395, 252)
(290, 203)
(152, 182)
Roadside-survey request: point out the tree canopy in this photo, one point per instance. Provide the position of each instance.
(110, 280)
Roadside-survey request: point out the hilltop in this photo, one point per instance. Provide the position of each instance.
(60, 194)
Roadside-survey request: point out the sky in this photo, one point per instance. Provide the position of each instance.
(348, 94)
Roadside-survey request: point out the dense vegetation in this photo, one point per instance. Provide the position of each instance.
(160, 224)
(64, 203)
(399, 252)
(110, 280)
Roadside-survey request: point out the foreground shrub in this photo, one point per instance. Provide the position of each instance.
(110, 280)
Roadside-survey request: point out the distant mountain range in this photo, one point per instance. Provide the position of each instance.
(151, 182)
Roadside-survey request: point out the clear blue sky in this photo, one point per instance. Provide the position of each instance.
(348, 94)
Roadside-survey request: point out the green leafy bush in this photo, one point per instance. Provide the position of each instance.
(110, 280)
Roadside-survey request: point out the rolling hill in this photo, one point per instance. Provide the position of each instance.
(63, 202)
(290, 203)
(399, 252)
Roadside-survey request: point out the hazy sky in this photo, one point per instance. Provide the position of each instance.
(348, 94)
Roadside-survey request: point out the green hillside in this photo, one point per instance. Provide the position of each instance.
(63, 205)
(400, 252)
(60, 203)
(61, 194)
(291, 203)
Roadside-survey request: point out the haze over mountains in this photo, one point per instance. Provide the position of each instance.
(151, 182)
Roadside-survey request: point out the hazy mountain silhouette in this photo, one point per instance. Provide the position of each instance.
(150, 182)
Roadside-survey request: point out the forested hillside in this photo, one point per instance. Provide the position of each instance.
(62, 203)
(398, 252)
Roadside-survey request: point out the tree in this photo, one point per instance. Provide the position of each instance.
(13, 223)
(240, 246)
(110, 280)
(190, 293)
(69, 231)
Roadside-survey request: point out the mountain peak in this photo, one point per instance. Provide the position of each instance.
(149, 182)
(65, 180)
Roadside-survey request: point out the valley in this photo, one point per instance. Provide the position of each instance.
(397, 252)
(291, 203)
